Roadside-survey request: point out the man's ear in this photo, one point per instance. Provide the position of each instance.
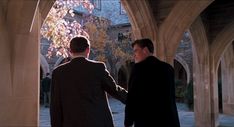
(146, 50)
(87, 50)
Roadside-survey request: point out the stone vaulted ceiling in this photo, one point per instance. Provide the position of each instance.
(215, 17)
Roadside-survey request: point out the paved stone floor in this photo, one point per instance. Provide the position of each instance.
(186, 117)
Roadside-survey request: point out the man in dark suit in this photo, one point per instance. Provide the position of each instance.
(151, 90)
(78, 92)
(46, 89)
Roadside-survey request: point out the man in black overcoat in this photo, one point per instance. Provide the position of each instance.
(151, 90)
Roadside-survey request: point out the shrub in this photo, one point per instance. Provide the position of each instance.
(189, 95)
(179, 90)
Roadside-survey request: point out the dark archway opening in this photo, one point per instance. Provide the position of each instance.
(180, 81)
(220, 90)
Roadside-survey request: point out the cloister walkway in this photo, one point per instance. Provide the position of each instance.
(186, 116)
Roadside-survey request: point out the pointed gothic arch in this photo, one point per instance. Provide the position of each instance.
(44, 65)
(185, 66)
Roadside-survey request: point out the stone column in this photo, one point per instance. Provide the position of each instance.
(203, 92)
(227, 70)
(19, 105)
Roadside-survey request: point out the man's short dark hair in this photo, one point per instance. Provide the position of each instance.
(145, 42)
(79, 44)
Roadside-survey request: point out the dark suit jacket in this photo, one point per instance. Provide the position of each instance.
(78, 94)
(46, 84)
(151, 95)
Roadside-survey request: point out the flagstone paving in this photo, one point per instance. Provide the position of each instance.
(186, 117)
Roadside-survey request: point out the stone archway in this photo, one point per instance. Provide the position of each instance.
(181, 80)
(185, 66)
(44, 68)
(227, 80)
(44, 65)
(20, 23)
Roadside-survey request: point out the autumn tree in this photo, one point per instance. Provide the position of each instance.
(61, 25)
(59, 30)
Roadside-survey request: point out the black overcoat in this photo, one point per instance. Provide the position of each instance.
(151, 95)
